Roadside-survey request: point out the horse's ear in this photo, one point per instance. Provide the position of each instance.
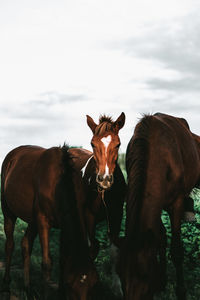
(119, 123)
(91, 123)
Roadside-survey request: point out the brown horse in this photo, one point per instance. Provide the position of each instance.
(163, 165)
(100, 205)
(101, 173)
(41, 187)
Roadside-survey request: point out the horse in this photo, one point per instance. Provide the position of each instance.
(100, 204)
(163, 166)
(41, 187)
(103, 179)
(104, 183)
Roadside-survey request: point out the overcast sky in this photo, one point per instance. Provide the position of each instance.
(61, 60)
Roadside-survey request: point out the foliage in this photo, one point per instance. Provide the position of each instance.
(121, 162)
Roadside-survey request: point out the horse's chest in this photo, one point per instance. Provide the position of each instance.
(95, 203)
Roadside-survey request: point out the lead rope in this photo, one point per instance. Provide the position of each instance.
(106, 209)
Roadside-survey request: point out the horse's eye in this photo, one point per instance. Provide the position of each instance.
(93, 146)
(118, 146)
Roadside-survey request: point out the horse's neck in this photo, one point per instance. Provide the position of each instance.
(88, 169)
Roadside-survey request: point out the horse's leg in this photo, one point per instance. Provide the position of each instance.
(9, 225)
(114, 218)
(92, 242)
(27, 245)
(114, 200)
(176, 246)
(114, 223)
(43, 230)
(162, 256)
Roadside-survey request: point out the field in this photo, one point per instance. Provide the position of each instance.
(191, 242)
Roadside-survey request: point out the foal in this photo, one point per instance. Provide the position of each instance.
(103, 179)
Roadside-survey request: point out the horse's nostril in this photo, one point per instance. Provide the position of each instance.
(110, 178)
(99, 178)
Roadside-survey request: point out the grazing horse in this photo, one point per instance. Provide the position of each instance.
(41, 187)
(163, 165)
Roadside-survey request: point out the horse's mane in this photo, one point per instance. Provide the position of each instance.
(105, 124)
(72, 242)
(136, 163)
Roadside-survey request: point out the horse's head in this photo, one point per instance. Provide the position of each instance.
(105, 143)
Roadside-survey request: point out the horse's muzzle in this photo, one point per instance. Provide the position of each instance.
(104, 183)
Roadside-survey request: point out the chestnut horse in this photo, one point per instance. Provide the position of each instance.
(41, 187)
(100, 205)
(163, 166)
(101, 173)
(103, 179)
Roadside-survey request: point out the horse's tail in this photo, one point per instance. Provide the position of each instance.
(136, 164)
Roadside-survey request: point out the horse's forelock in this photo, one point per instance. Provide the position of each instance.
(104, 118)
(105, 124)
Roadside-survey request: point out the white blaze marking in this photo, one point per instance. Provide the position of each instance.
(84, 168)
(106, 171)
(106, 141)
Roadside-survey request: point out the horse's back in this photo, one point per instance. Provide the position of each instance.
(169, 154)
(17, 181)
(182, 146)
(19, 156)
